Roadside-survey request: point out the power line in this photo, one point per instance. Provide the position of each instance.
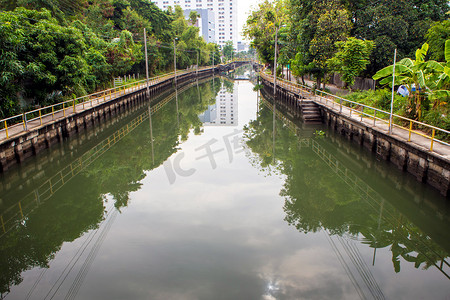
(73, 291)
(74, 261)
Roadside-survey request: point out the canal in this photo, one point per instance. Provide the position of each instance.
(218, 194)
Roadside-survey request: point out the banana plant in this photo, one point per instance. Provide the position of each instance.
(409, 73)
(441, 80)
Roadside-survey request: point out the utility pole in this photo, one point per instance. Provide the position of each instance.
(146, 63)
(275, 66)
(392, 97)
(275, 62)
(175, 60)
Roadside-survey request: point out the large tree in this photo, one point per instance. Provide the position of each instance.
(390, 24)
(436, 37)
(262, 26)
(332, 23)
(228, 50)
(394, 24)
(350, 59)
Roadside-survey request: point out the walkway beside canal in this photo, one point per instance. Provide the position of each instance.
(41, 117)
(26, 135)
(92, 101)
(410, 149)
(413, 137)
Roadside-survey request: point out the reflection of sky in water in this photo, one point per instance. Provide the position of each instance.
(220, 234)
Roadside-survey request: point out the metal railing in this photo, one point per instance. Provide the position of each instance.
(65, 108)
(19, 212)
(62, 109)
(362, 111)
(359, 186)
(375, 114)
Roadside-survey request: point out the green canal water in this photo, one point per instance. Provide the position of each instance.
(216, 197)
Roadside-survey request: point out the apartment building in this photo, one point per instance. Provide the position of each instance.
(225, 16)
(205, 22)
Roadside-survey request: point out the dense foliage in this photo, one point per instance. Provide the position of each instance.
(54, 50)
(358, 38)
(313, 27)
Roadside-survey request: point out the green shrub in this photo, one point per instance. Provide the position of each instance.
(380, 99)
(439, 118)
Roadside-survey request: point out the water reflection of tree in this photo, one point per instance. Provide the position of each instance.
(317, 197)
(123, 167)
(79, 205)
(228, 84)
(62, 218)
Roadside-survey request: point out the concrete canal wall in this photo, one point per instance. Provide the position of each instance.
(18, 148)
(426, 166)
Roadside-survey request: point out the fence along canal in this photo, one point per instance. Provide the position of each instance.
(27, 134)
(332, 159)
(372, 197)
(414, 151)
(18, 212)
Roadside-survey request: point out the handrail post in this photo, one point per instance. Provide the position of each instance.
(3, 224)
(410, 130)
(40, 116)
(340, 106)
(24, 120)
(21, 211)
(6, 130)
(64, 110)
(53, 112)
(432, 139)
(73, 105)
(374, 117)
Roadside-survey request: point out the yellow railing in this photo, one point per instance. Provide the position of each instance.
(49, 113)
(364, 111)
(19, 212)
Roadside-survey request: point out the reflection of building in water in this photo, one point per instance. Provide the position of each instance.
(224, 111)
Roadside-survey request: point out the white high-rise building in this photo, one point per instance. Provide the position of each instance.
(225, 15)
(205, 22)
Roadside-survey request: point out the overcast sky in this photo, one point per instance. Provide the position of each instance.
(244, 8)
